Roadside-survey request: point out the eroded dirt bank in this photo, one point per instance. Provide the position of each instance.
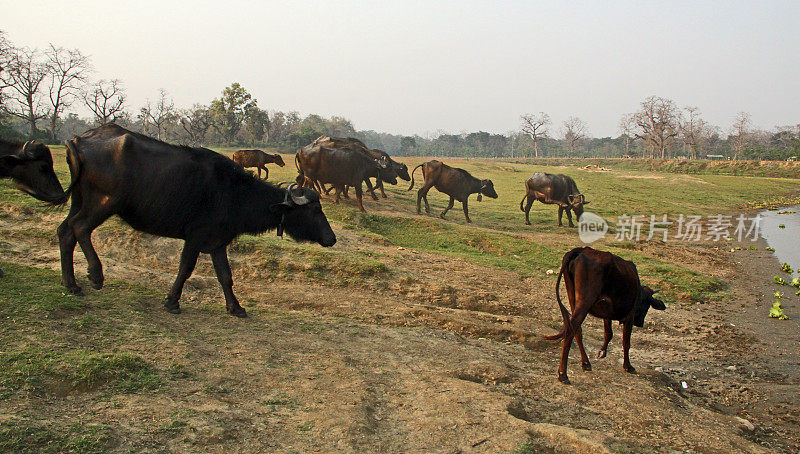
(444, 356)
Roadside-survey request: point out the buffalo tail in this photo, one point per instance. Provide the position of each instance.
(564, 313)
(412, 176)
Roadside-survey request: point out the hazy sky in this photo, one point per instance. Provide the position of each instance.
(417, 67)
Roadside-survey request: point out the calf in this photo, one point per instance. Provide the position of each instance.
(560, 190)
(606, 286)
(455, 182)
(30, 166)
(193, 194)
(257, 159)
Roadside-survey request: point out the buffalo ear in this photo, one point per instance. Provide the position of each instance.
(586, 203)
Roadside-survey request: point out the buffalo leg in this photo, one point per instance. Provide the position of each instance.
(569, 216)
(528, 205)
(188, 261)
(359, 194)
(66, 243)
(422, 194)
(608, 335)
(449, 205)
(379, 184)
(466, 209)
(585, 364)
(346, 192)
(338, 193)
(83, 224)
(258, 169)
(2, 273)
(626, 346)
(560, 215)
(371, 189)
(219, 257)
(266, 172)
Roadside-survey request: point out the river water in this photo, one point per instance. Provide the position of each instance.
(785, 241)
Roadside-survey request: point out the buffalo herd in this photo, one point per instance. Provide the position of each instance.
(207, 200)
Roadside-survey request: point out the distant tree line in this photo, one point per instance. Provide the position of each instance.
(41, 90)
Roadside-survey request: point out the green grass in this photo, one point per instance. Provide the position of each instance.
(26, 436)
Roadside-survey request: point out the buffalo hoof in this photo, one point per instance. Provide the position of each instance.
(2, 273)
(586, 366)
(441, 215)
(527, 223)
(384, 196)
(601, 354)
(172, 307)
(629, 369)
(238, 312)
(563, 379)
(75, 290)
(96, 281)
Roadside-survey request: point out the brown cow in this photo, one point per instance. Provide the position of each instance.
(455, 182)
(257, 159)
(606, 286)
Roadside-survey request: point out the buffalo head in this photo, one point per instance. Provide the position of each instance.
(402, 171)
(576, 202)
(32, 169)
(277, 159)
(302, 216)
(487, 189)
(644, 302)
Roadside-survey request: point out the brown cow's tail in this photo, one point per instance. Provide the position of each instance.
(412, 176)
(564, 313)
(523, 201)
(74, 162)
(301, 176)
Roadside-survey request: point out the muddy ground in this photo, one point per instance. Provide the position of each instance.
(445, 357)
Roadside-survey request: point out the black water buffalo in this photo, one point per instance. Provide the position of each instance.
(455, 182)
(193, 194)
(606, 286)
(318, 165)
(257, 159)
(553, 189)
(30, 166)
(391, 173)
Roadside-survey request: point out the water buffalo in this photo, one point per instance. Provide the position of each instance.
(30, 166)
(317, 165)
(181, 192)
(257, 159)
(606, 286)
(553, 189)
(455, 182)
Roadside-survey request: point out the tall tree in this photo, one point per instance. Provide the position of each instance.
(535, 127)
(228, 111)
(23, 76)
(657, 124)
(5, 56)
(106, 100)
(68, 68)
(160, 114)
(573, 131)
(740, 133)
(626, 127)
(196, 122)
(256, 123)
(694, 130)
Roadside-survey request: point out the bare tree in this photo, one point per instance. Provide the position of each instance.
(196, 122)
(5, 55)
(657, 124)
(23, 76)
(68, 68)
(535, 127)
(106, 100)
(740, 133)
(626, 126)
(694, 130)
(161, 114)
(573, 131)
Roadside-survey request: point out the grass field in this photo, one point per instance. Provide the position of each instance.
(413, 333)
